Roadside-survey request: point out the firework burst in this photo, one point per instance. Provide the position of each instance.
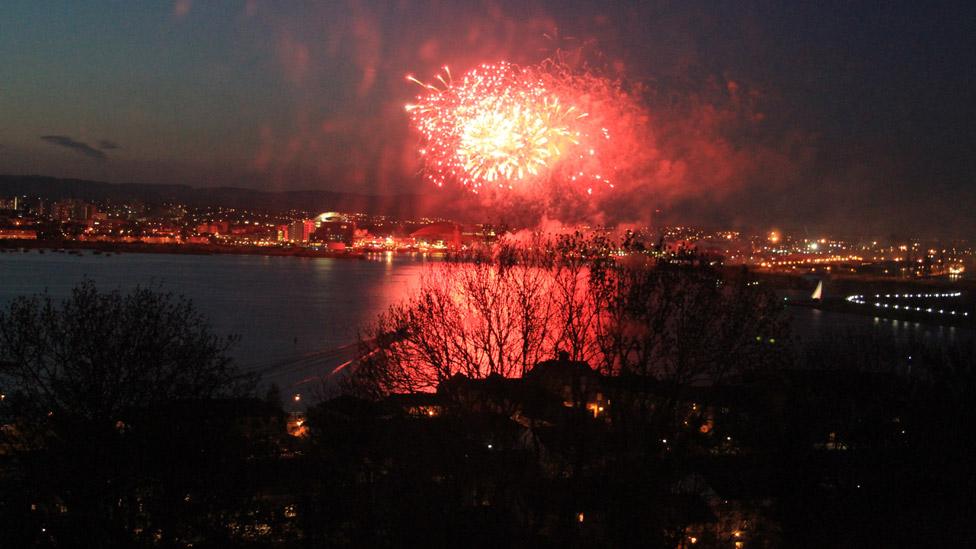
(502, 126)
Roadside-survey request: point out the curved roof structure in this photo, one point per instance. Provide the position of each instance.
(328, 217)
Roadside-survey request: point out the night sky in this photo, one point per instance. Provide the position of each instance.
(818, 118)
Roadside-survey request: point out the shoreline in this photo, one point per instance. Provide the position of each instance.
(59, 246)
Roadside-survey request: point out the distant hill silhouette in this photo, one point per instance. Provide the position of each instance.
(402, 206)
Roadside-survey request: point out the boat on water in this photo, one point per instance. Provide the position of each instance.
(816, 299)
(818, 292)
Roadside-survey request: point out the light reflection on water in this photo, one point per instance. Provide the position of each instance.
(281, 307)
(284, 307)
(810, 324)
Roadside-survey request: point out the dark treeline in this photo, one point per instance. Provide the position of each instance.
(558, 396)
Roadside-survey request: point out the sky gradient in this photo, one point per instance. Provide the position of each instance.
(829, 117)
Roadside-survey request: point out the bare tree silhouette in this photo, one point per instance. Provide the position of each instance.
(504, 313)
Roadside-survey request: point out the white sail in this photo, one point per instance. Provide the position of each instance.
(818, 293)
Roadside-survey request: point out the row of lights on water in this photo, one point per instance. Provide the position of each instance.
(859, 299)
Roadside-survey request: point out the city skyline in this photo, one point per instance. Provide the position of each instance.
(499, 273)
(855, 119)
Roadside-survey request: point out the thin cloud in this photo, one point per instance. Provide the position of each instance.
(182, 7)
(105, 144)
(77, 146)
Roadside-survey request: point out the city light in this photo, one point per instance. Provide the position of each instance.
(376, 274)
(859, 299)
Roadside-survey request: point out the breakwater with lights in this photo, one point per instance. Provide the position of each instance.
(944, 307)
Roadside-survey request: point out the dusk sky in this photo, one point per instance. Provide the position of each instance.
(824, 117)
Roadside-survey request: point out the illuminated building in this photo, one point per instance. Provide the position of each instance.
(18, 234)
(216, 228)
(333, 227)
(299, 230)
(444, 234)
(12, 204)
(73, 210)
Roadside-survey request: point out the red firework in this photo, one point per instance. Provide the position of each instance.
(502, 126)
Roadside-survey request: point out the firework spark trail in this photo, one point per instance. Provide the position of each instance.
(528, 129)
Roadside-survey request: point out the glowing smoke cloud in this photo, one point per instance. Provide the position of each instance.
(532, 131)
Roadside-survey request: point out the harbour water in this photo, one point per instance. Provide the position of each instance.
(281, 308)
(285, 308)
